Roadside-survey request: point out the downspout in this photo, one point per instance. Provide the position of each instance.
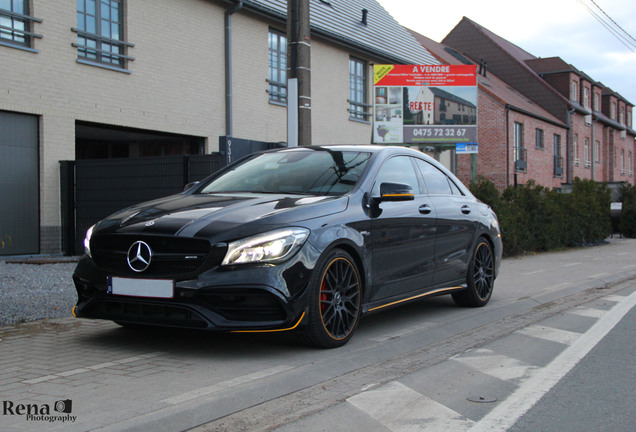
(593, 146)
(507, 145)
(568, 147)
(228, 66)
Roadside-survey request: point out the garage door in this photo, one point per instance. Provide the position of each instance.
(19, 180)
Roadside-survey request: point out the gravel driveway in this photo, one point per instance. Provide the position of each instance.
(30, 292)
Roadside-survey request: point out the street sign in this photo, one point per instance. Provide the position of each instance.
(467, 148)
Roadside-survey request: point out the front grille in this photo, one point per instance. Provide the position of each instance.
(172, 257)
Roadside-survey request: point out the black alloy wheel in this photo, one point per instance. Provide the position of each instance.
(480, 278)
(334, 306)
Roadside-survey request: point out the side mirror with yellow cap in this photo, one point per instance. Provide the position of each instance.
(395, 192)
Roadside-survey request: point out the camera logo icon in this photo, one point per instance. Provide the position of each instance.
(64, 406)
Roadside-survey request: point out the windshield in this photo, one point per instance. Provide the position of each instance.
(297, 171)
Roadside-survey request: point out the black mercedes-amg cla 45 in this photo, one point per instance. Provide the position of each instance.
(303, 239)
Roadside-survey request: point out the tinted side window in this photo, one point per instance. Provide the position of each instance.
(396, 170)
(454, 187)
(436, 181)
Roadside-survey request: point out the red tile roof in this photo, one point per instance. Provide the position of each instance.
(490, 83)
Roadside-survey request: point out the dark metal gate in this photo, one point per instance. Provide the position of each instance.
(19, 184)
(104, 186)
(93, 189)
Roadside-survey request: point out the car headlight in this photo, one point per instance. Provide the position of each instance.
(87, 241)
(273, 246)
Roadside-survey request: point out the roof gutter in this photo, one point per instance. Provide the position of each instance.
(228, 66)
(536, 116)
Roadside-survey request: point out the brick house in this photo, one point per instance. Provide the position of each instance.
(599, 143)
(515, 134)
(122, 78)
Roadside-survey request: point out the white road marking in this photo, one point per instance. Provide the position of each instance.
(402, 409)
(506, 414)
(495, 365)
(550, 334)
(614, 298)
(572, 264)
(204, 391)
(588, 312)
(596, 276)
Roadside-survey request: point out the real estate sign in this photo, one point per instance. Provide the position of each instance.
(425, 104)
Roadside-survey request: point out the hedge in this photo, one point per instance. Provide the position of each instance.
(534, 218)
(627, 222)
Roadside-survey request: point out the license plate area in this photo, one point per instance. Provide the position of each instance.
(150, 288)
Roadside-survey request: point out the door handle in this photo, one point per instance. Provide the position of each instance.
(465, 209)
(425, 209)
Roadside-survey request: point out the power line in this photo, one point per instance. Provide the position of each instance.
(616, 30)
(615, 23)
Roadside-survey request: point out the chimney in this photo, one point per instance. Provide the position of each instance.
(365, 14)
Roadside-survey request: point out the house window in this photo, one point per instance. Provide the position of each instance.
(630, 163)
(558, 159)
(15, 23)
(519, 152)
(597, 102)
(277, 80)
(100, 33)
(575, 149)
(621, 118)
(586, 97)
(613, 111)
(623, 162)
(586, 153)
(539, 139)
(574, 91)
(597, 151)
(358, 107)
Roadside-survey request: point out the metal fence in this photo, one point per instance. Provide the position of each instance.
(93, 189)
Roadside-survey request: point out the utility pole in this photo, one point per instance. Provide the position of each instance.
(299, 73)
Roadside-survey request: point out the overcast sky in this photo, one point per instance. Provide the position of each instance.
(544, 28)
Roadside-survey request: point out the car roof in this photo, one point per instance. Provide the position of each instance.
(359, 147)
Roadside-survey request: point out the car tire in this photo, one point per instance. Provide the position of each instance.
(480, 277)
(335, 294)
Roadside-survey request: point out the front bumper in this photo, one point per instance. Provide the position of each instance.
(243, 298)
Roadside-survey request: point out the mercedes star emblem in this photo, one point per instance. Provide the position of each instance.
(139, 256)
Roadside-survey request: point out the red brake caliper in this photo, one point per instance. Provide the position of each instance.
(323, 297)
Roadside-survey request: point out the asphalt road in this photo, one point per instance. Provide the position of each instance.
(598, 394)
(409, 368)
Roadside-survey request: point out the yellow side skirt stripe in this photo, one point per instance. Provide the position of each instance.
(437, 291)
(271, 331)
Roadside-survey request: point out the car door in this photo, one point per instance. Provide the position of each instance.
(403, 234)
(456, 224)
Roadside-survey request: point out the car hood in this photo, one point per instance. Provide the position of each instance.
(210, 216)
